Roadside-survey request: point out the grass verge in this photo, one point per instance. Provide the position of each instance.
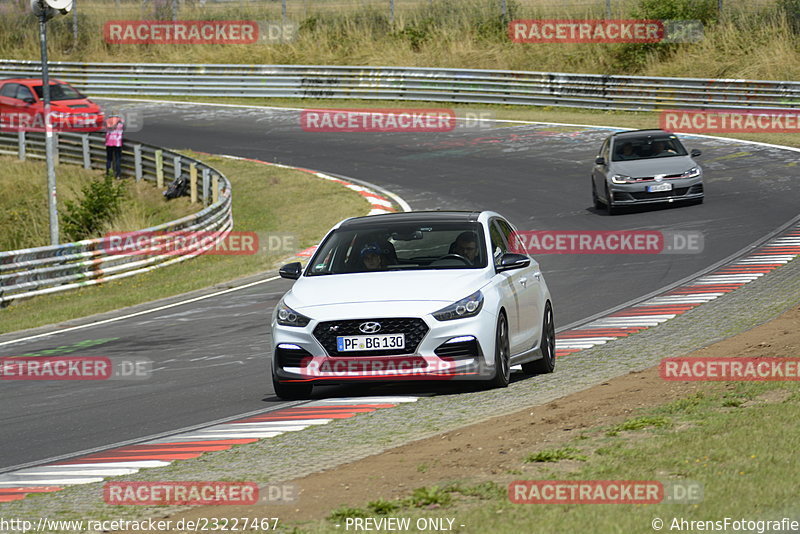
(23, 205)
(736, 439)
(755, 40)
(265, 199)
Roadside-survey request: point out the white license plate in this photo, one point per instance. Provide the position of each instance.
(376, 342)
(659, 187)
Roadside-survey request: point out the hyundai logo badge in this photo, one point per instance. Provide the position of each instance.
(370, 327)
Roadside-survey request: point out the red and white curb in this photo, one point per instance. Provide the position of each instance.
(130, 459)
(654, 311)
(379, 203)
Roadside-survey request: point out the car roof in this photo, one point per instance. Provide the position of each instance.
(639, 133)
(412, 217)
(31, 81)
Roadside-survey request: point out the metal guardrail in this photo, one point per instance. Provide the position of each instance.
(51, 269)
(593, 91)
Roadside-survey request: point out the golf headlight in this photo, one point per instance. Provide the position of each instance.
(620, 179)
(466, 307)
(691, 173)
(288, 317)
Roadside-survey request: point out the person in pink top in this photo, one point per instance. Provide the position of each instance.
(114, 128)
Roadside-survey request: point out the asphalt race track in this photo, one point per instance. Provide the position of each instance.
(211, 356)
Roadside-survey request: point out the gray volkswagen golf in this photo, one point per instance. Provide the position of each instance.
(645, 167)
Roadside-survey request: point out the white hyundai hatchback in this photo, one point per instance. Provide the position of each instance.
(413, 296)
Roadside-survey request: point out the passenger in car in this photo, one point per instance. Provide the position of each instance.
(626, 151)
(660, 148)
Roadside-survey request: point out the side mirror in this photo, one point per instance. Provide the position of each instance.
(600, 160)
(694, 153)
(29, 100)
(511, 261)
(291, 270)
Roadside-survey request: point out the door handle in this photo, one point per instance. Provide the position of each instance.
(538, 275)
(523, 281)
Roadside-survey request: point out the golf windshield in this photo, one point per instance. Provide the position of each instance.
(401, 246)
(626, 149)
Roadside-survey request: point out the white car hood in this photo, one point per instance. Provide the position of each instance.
(445, 285)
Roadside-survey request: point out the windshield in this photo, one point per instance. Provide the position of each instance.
(59, 91)
(400, 246)
(647, 147)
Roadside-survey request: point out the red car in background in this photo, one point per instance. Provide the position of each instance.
(22, 107)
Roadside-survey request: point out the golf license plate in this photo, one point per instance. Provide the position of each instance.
(659, 187)
(375, 342)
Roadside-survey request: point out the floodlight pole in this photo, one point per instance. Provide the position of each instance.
(48, 127)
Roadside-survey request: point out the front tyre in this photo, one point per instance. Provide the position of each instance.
(502, 355)
(291, 391)
(547, 363)
(598, 205)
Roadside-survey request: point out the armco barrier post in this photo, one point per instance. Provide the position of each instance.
(137, 161)
(193, 182)
(87, 155)
(205, 186)
(159, 168)
(21, 144)
(215, 189)
(176, 167)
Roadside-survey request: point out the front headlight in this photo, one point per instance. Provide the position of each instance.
(288, 317)
(691, 173)
(621, 179)
(466, 307)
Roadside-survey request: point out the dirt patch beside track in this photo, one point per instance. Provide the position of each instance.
(493, 449)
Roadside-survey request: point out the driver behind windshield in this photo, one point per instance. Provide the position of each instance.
(373, 257)
(466, 245)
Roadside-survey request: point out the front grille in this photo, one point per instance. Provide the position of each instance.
(651, 178)
(285, 357)
(458, 350)
(413, 328)
(644, 195)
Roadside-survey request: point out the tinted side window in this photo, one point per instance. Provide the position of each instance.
(499, 246)
(510, 236)
(9, 90)
(23, 92)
